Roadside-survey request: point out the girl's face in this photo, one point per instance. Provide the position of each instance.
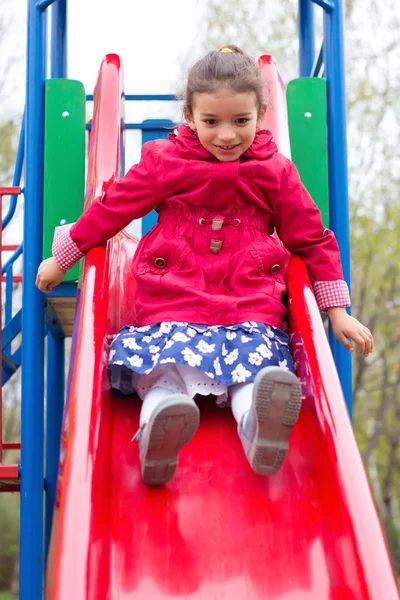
(225, 121)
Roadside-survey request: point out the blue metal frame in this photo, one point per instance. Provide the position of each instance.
(12, 325)
(7, 270)
(32, 405)
(10, 361)
(67, 289)
(54, 414)
(55, 346)
(6, 267)
(12, 329)
(306, 37)
(58, 66)
(333, 55)
(164, 126)
(338, 181)
(327, 5)
(43, 4)
(317, 70)
(161, 97)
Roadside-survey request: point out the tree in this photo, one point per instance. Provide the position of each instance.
(8, 135)
(9, 518)
(252, 26)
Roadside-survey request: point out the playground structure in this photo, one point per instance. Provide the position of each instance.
(218, 530)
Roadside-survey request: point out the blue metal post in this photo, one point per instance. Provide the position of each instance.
(58, 67)
(9, 291)
(55, 345)
(327, 5)
(306, 37)
(32, 421)
(43, 4)
(55, 353)
(337, 150)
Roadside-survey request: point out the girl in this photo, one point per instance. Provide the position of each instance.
(210, 276)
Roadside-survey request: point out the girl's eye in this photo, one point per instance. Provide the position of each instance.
(210, 121)
(242, 121)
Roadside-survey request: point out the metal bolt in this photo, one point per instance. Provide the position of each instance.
(308, 115)
(63, 222)
(65, 114)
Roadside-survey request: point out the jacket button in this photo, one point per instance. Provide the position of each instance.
(160, 263)
(275, 268)
(325, 232)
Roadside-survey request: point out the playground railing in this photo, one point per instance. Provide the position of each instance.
(10, 326)
(9, 473)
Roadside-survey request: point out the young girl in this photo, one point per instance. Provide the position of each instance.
(210, 275)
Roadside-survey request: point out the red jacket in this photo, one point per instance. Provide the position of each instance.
(211, 258)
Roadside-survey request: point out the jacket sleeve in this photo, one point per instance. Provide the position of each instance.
(129, 198)
(299, 225)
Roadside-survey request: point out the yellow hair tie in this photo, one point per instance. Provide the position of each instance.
(226, 50)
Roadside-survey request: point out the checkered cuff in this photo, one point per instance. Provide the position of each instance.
(331, 293)
(65, 251)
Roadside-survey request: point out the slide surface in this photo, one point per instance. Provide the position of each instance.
(217, 531)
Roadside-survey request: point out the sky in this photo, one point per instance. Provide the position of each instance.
(152, 38)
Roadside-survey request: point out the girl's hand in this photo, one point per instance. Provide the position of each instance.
(49, 275)
(344, 326)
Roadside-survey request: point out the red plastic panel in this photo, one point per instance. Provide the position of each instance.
(275, 97)
(218, 530)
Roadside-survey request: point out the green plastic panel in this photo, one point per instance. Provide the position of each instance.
(64, 159)
(307, 114)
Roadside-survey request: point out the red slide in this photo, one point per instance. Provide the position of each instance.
(217, 530)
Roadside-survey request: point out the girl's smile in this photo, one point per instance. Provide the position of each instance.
(228, 149)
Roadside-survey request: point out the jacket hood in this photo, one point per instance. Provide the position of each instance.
(189, 145)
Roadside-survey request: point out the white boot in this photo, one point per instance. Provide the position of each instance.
(171, 425)
(269, 422)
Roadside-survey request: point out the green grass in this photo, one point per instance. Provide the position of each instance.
(7, 596)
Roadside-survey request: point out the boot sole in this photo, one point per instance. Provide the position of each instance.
(173, 427)
(277, 403)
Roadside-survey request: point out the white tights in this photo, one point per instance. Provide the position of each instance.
(240, 394)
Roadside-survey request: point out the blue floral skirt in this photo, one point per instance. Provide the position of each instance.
(223, 355)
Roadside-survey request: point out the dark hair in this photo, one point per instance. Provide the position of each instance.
(234, 69)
